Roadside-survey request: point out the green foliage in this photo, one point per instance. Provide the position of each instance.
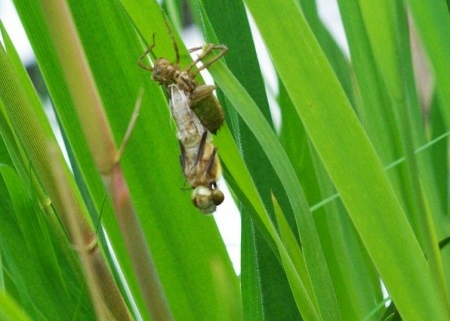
(351, 191)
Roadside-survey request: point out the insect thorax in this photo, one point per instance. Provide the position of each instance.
(167, 73)
(185, 81)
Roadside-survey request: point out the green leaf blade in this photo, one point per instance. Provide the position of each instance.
(356, 173)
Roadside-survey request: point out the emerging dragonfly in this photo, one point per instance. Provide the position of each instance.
(198, 157)
(202, 100)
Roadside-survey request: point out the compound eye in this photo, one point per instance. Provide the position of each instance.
(217, 196)
(202, 199)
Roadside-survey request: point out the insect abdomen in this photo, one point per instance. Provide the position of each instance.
(207, 107)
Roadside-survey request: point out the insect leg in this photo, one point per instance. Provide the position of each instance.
(201, 147)
(182, 156)
(211, 159)
(175, 45)
(141, 57)
(206, 50)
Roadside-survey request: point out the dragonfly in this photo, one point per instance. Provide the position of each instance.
(199, 160)
(202, 100)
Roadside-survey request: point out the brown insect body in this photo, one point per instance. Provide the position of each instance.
(199, 162)
(202, 168)
(166, 73)
(198, 158)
